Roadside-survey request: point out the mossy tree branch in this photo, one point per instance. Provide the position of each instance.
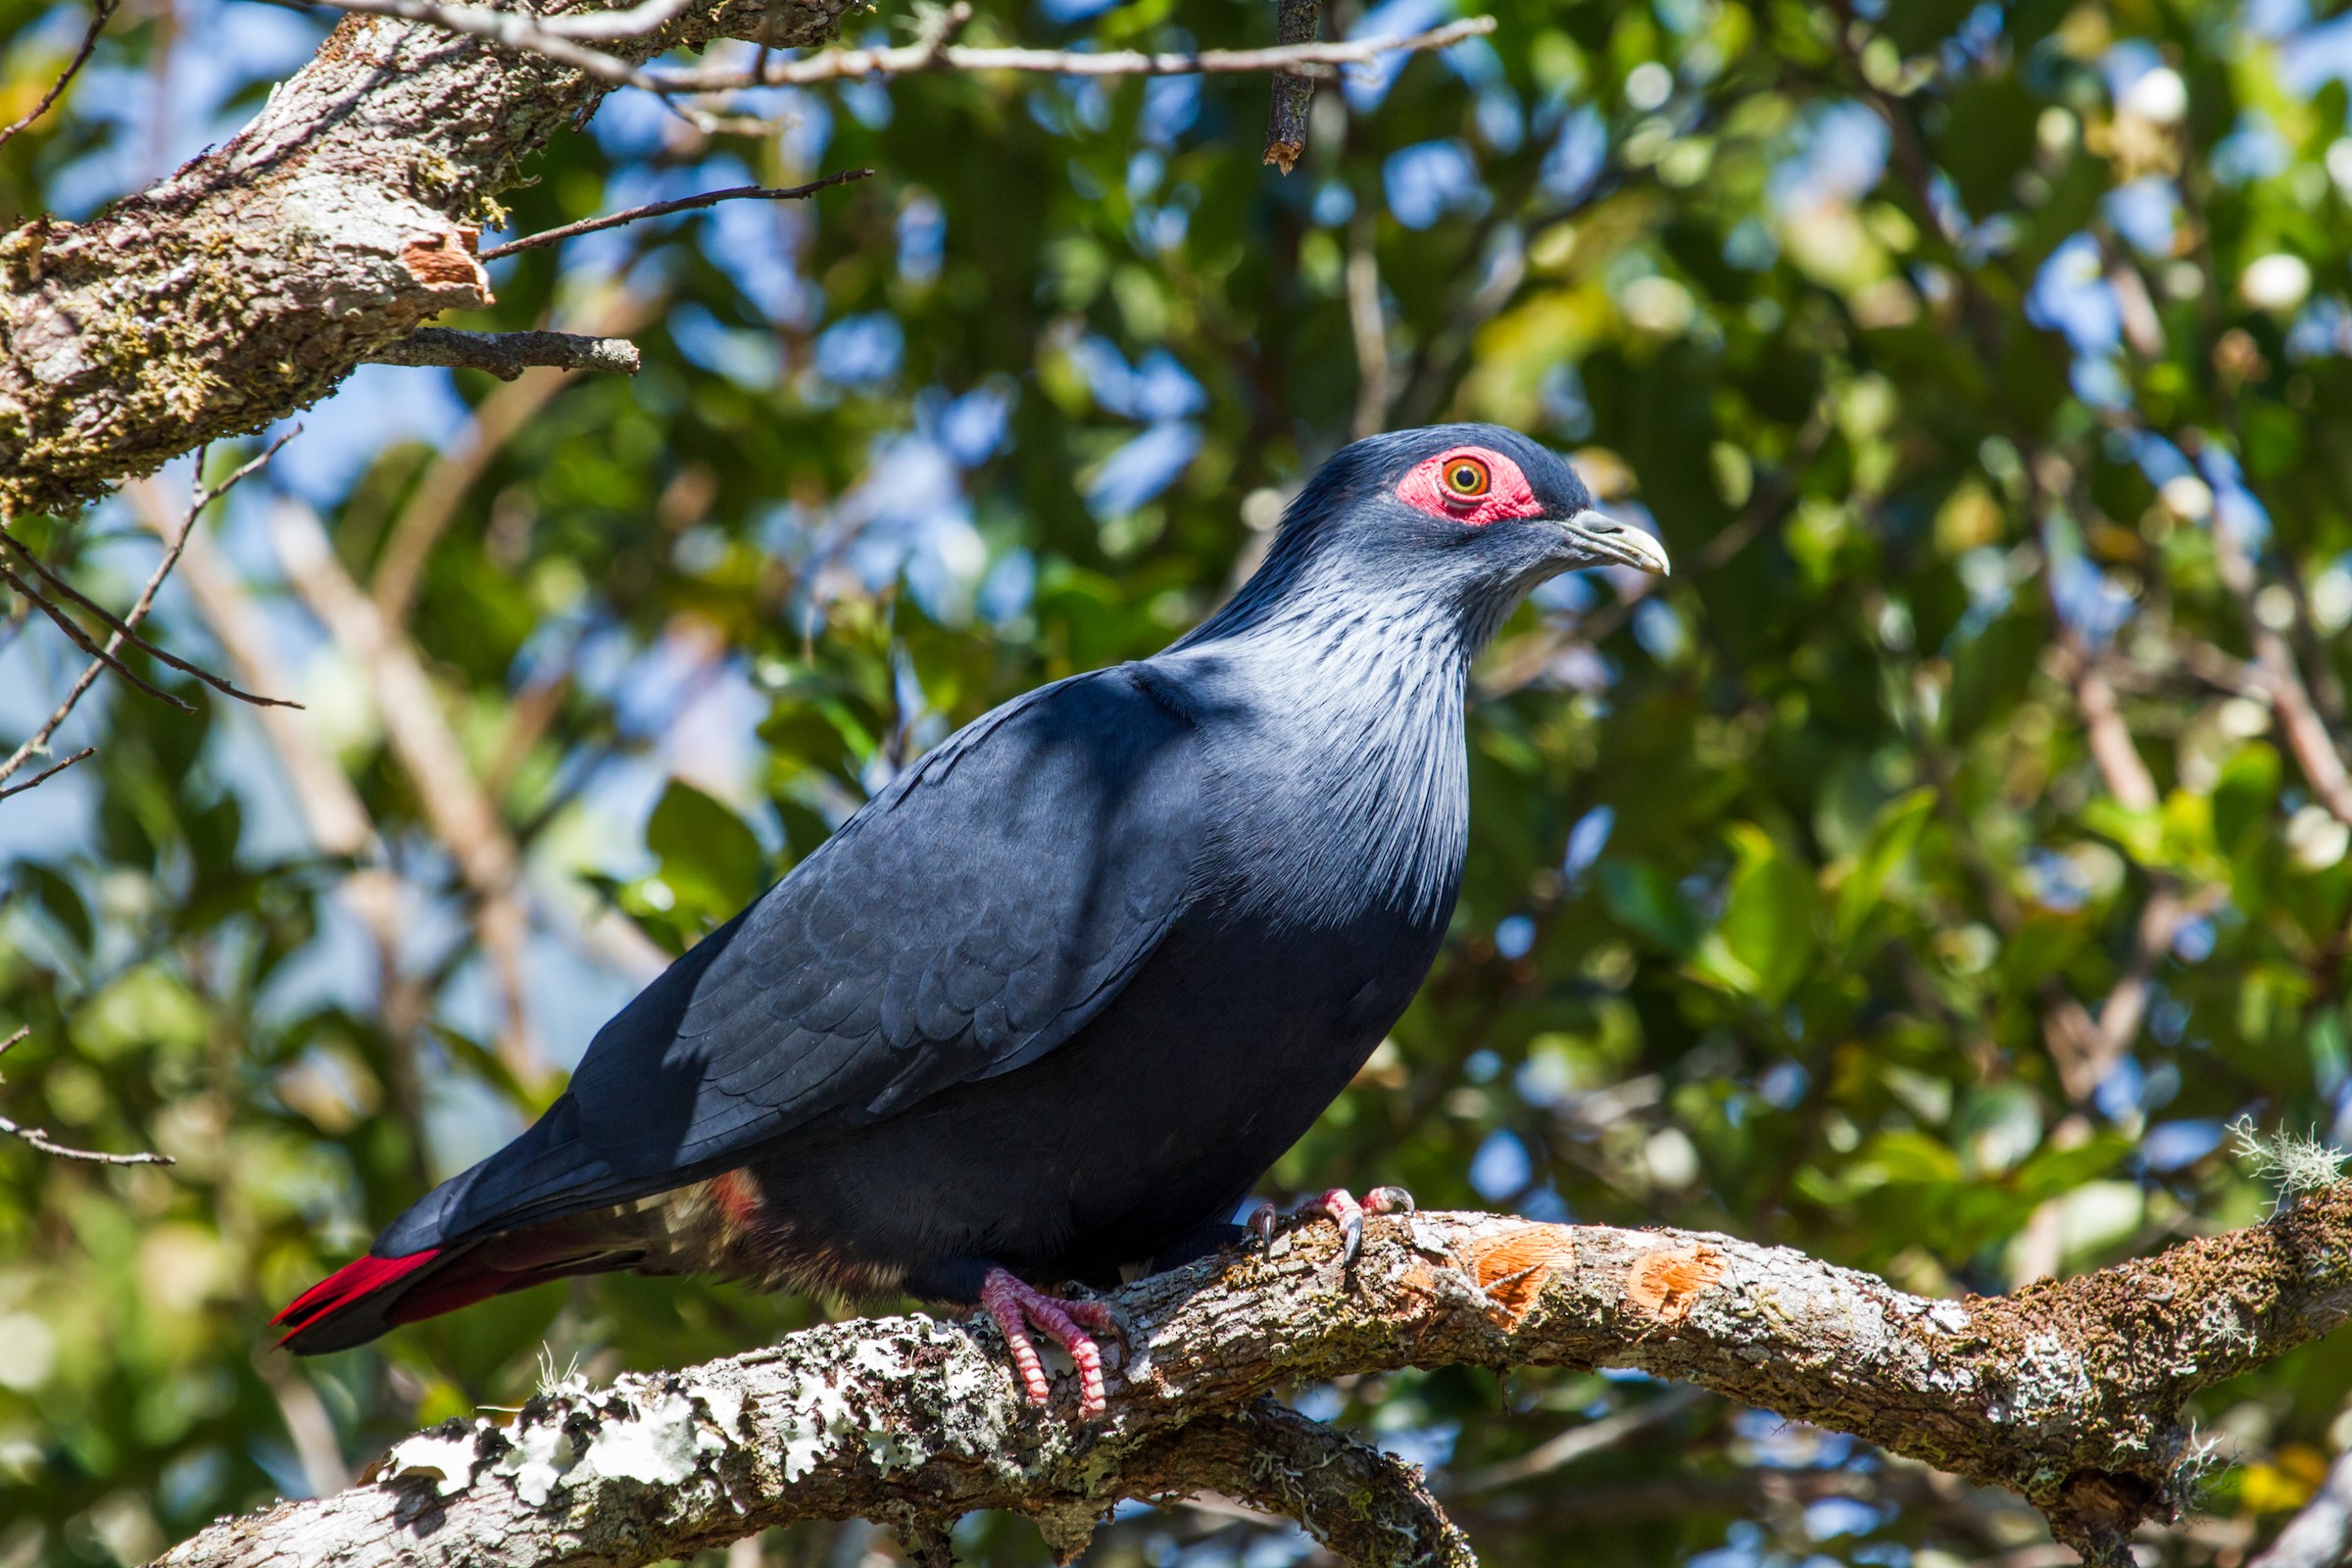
(2069, 1393)
(249, 283)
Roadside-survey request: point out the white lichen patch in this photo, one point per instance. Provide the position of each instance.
(1949, 1316)
(539, 1459)
(2049, 1384)
(430, 1453)
(893, 1450)
(663, 1446)
(723, 1406)
(813, 1417)
(876, 1358)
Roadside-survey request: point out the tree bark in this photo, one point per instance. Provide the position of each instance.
(250, 282)
(2067, 1392)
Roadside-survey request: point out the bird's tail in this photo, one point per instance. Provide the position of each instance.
(371, 1296)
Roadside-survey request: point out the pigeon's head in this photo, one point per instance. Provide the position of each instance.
(1461, 518)
(1485, 499)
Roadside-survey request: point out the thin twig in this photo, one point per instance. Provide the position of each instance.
(38, 1139)
(163, 655)
(89, 645)
(49, 772)
(506, 354)
(515, 29)
(204, 495)
(518, 30)
(1313, 59)
(81, 57)
(712, 198)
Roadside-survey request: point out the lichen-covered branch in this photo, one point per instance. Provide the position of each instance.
(2069, 1393)
(1366, 1506)
(251, 281)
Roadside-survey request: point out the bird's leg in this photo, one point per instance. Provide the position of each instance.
(1340, 1207)
(1015, 1307)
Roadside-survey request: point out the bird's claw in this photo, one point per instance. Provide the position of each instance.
(1015, 1307)
(1340, 1207)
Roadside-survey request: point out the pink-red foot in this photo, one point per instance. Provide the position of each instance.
(1017, 1306)
(1342, 1210)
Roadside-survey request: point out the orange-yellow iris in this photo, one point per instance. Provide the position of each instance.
(1468, 477)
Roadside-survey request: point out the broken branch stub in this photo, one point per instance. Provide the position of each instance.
(1294, 94)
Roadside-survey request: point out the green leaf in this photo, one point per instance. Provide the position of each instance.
(1891, 837)
(2243, 797)
(1765, 941)
(1642, 895)
(709, 858)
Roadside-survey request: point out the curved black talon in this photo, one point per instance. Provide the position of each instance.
(1352, 1236)
(1342, 1209)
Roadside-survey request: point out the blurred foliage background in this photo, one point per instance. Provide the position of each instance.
(1925, 876)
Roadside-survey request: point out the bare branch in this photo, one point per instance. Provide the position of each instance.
(163, 655)
(515, 30)
(204, 495)
(1366, 1507)
(359, 252)
(511, 29)
(49, 772)
(89, 645)
(506, 354)
(81, 57)
(683, 204)
(36, 1139)
(2069, 1393)
(1309, 60)
(425, 515)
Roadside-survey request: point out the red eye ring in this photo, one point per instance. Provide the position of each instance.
(1468, 485)
(1466, 478)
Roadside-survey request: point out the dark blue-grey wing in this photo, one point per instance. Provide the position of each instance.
(967, 921)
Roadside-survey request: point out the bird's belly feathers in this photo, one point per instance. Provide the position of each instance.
(1154, 1120)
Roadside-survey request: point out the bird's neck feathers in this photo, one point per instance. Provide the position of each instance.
(1356, 707)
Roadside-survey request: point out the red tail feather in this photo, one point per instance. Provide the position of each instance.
(347, 1286)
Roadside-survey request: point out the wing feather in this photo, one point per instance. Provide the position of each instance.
(966, 922)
